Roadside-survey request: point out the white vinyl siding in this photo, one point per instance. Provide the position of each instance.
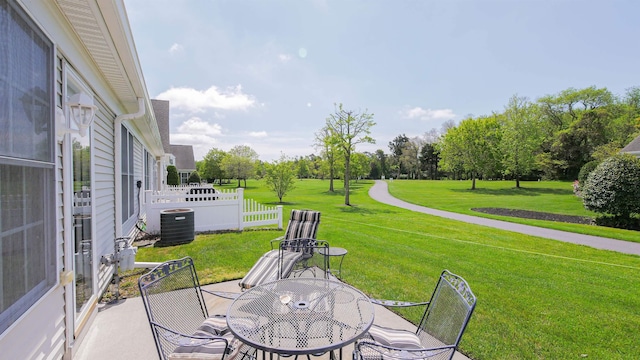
(104, 182)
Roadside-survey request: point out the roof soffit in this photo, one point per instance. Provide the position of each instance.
(103, 29)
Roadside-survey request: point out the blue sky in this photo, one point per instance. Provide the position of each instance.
(268, 73)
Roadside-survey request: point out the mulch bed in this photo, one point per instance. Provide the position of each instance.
(536, 215)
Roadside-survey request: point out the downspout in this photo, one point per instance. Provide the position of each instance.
(117, 133)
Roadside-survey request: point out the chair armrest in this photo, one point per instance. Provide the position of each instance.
(276, 240)
(368, 349)
(179, 339)
(396, 303)
(223, 294)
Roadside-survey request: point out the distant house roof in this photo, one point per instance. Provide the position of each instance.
(184, 157)
(161, 109)
(185, 160)
(633, 148)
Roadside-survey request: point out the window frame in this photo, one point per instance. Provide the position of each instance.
(33, 167)
(127, 174)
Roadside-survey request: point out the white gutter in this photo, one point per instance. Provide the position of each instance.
(117, 133)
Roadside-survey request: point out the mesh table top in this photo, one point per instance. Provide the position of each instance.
(333, 251)
(300, 316)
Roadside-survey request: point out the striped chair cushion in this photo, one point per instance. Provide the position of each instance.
(302, 224)
(215, 350)
(289, 259)
(215, 325)
(266, 268)
(396, 338)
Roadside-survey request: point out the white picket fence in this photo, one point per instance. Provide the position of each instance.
(82, 203)
(222, 210)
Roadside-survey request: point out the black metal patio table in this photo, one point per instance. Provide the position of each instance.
(300, 316)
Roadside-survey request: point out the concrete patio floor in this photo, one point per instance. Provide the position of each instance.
(121, 330)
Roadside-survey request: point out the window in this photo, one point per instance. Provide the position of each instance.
(27, 181)
(148, 170)
(128, 204)
(83, 243)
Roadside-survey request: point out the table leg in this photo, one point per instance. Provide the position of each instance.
(340, 277)
(332, 354)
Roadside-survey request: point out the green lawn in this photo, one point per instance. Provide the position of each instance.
(537, 298)
(547, 196)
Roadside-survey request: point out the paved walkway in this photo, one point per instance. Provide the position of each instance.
(379, 191)
(121, 330)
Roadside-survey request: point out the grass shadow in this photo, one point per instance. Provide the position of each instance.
(522, 191)
(356, 209)
(276, 203)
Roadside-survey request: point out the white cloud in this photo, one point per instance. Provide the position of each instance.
(198, 101)
(201, 143)
(198, 133)
(175, 48)
(258, 134)
(428, 114)
(197, 126)
(284, 57)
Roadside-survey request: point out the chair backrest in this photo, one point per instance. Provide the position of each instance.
(448, 312)
(302, 224)
(310, 255)
(172, 298)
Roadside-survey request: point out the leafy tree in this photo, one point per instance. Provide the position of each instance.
(409, 159)
(520, 138)
(451, 150)
(211, 168)
(302, 166)
(396, 146)
(348, 129)
(574, 146)
(280, 176)
(429, 159)
(240, 163)
(260, 169)
(605, 151)
(360, 165)
(81, 165)
(574, 123)
(382, 162)
(314, 162)
(194, 178)
(626, 126)
(612, 188)
(329, 149)
(473, 146)
(172, 175)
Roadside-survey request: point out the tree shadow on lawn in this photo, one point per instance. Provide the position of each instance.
(275, 203)
(339, 190)
(516, 191)
(365, 210)
(355, 209)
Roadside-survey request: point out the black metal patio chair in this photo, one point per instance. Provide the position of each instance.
(438, 334)
(178, 316)
(275, 264)
(311, 259)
